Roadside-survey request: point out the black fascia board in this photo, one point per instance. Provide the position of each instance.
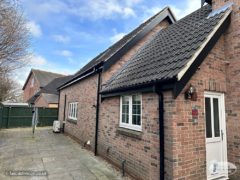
(179, 85)
(97, 68)
(166, 14)
(150, 87)
(113, 59)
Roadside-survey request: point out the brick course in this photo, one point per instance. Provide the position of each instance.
(185, 154)
(232, 52)
(85, 92)
(185, 146)
(30, 91)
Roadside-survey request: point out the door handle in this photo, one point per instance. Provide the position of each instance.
(222, 134)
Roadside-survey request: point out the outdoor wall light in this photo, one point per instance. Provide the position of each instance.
(191, 93)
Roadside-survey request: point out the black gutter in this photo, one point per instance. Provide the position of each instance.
(97, 113)
(84, 75)
(167, 84)
(161, 133)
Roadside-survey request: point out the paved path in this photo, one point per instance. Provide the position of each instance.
(57, 154)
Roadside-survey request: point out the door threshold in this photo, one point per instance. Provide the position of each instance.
(219, 178)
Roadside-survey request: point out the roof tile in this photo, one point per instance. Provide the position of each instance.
(168, 52)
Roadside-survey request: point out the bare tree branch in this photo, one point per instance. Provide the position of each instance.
(14, 37)
(14, 47)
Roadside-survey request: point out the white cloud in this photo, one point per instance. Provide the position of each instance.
(65, 53)
(102, 9)
(37, 60)
(131, 3)
(34, 28)
(91, 9)
(117, 37)
(21, 75)
(128, 12)
(61, 38)
(191, 5)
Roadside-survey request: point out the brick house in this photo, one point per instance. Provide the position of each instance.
(163, 102)
(40, 88)
(48, 95)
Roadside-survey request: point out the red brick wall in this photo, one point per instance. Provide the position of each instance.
(85, 94)
(185, 154)
(232, 52)
(30, 91)
(41, 102)
(187, 139)
(141, 155)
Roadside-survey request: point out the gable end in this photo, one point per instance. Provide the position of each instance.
(185, 75)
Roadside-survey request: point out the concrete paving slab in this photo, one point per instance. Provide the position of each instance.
(59, 155)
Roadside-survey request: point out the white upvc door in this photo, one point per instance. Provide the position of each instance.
(216, 149)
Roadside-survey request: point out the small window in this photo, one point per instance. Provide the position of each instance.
(73, 110)
(212, 117)
(130, 112)
(32, 82)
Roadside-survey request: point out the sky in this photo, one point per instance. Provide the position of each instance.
(67, 34)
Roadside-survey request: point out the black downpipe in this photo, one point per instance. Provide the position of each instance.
(123, 168)
(161, 134)
(97, 113)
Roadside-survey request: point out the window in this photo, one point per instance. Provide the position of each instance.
(32, 82)
(130, 112)
(73, 110)
(212, 117)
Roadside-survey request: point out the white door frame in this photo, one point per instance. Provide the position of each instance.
(222, 124)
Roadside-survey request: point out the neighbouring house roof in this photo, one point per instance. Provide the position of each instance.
(50, 98)
(172, 52)
(43, 77)
(50, 88)
(54, 84)
(114, 52)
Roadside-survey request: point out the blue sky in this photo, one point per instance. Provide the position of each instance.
(66, 34)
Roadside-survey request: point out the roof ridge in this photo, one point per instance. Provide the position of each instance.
(184, 35)
(117, 46)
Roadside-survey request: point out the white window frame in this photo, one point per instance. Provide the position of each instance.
(73, 111)
(129, 125)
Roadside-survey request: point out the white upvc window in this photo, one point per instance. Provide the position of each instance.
(131, 112)
(73, 110)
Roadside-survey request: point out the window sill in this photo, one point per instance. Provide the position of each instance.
(129, 132)
(72, 121)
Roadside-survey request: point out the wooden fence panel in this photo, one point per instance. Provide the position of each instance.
(12, 117)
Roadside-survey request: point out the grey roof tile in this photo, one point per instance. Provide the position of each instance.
(50, 88)
(44, 77)
(167, 53)
(105, 55)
